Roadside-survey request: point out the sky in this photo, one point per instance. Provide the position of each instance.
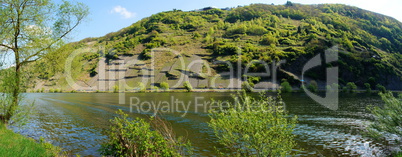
(112, 15)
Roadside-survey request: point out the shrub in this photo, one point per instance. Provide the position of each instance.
(335, 87)
(146, 54)
(285, 87)
(115, 89)
(247, 86)
(141, 87)
(368, 87)
(344, 89)
(268, 40)
(328, 88)
(188, 86)
(313, 86)
(256, 30)
(196, 35)
(381, 88)
(51, 90)
(164, 86)
(254, 127)
(388, 118)
(139, 138)
(155, 88)
(351, 87)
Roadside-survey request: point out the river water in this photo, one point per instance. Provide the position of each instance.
(75, 121)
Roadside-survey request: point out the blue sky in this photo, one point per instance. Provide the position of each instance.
(112, 15)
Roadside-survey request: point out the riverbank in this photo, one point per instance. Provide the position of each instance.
(16, 145)
(198, 90)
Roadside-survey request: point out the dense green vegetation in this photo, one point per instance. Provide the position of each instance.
(370, 43)
(32, 30)
(387, 118)
(253, 127)
(140, 138)
(286, 88)
(12, 144)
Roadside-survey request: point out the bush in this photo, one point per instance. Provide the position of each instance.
(268, 40)
(141, 87)
(254, 127)
(344, 89)
(115, 89)
(388, 118)
(381, 88)
(328, 88)
(146, 54)
(188, 86)
(247, 86)
(368, 87)
(164, 86)
(335, 87)
(313, 86)
(285, 87)
(139, 138)
(351, 87)
(256, 30)
(155, 88)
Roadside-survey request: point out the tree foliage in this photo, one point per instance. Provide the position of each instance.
(388, 118)
(164, 86)
(286, 87)
(31, 29)
(140, 138)
(254, 127)
(187, 86)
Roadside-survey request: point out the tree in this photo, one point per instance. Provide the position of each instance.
(351, 87)
(164, 86)
(253, 127)
(289, 3)
(285, 86)
(381, 88)
(188, 86)
(313, 86)
(368, 87)
(29, 30)
(141, 87)
(247, 86)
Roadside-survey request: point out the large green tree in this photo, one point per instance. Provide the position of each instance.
(29, 30)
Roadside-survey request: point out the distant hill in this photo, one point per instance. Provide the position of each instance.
(370, 46)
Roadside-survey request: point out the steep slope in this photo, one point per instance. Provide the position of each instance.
(156, 47)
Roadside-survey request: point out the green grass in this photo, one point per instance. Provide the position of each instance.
(16, 145)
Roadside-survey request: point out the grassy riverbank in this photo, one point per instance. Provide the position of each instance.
(16, 145)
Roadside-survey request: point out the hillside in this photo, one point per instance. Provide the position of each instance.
(370, 47)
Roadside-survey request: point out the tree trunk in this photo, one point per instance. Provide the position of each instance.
(15, 93)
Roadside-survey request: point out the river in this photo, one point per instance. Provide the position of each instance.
(75, 121)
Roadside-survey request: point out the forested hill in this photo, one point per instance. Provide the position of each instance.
(370, 44)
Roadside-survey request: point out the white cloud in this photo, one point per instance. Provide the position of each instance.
(123, 11)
